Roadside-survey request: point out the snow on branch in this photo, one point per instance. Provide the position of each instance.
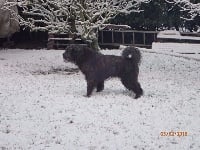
(192, 10)
(82, 17)
(46, 15)
(91, 14)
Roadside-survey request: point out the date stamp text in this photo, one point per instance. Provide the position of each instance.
(173, 133)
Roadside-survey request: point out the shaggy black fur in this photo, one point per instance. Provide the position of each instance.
(98, 67)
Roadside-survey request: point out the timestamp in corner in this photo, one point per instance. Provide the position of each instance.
(173, 133)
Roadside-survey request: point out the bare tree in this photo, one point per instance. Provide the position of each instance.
(78, 17)
(90, 15)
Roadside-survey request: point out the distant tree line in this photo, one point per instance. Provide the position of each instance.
(160, 14)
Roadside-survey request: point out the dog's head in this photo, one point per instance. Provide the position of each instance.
(67, 55)
(76, 53)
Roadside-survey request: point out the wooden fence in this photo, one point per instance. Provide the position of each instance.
(127, 37)
(115, 38)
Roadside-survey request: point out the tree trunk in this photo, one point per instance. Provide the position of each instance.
(94, 44)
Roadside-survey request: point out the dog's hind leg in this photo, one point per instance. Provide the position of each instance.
(90, 87)
(100, 86)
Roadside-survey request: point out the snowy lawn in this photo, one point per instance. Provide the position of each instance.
(42, 105)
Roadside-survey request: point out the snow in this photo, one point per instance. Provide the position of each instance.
(44, 107)
(172, 34)
(179, 48)
(169, 32)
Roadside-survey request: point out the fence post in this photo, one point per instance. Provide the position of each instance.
(112, 37)
(122, 37)
(51, 42)
(155, 34)
(133, 38)
(102, 36)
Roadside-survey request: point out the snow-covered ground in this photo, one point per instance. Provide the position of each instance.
(42, 105)
(173, 34)
(187, 49)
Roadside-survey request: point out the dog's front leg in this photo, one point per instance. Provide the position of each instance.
(90, 87)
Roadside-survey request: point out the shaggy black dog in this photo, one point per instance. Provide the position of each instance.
(98, 67)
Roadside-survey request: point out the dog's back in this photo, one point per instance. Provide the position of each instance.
(102, 66)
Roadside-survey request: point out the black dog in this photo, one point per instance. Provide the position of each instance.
(98, 67)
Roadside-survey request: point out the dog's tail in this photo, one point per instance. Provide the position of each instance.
(133, 54)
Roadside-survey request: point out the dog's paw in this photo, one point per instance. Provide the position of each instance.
(87, 96)
(137, 96)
